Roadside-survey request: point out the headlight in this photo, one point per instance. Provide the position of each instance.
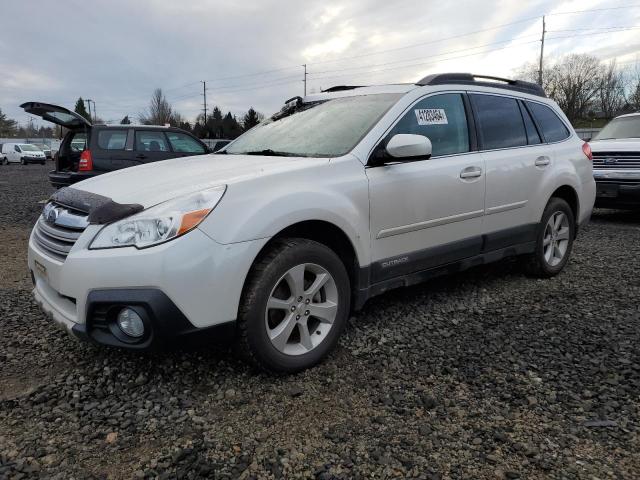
(160, 223)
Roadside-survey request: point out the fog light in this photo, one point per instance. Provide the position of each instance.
(130, 322)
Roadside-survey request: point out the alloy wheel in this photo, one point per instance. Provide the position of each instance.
(301, 309)
(555, 241)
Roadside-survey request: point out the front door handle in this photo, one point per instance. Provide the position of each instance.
(471, 172)
(543, 161)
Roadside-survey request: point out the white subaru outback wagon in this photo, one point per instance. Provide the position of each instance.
(340, 196)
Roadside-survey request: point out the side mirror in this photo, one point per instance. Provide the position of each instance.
(405, 145)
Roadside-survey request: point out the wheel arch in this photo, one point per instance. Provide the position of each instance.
(569, 195)
(323, 232)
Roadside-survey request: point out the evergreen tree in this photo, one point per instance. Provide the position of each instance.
(8, 127)
(80, 110)
(125, 120)
(251, 119)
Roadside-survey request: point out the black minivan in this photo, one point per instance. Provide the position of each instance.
(88, 150)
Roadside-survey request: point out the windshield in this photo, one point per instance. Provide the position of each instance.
(621, 127)
(29, 148)
(328, 129)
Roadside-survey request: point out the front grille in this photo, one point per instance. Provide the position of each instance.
(57, 235)
(616, 160)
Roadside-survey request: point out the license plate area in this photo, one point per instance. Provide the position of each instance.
(40, 269)
(607, 191)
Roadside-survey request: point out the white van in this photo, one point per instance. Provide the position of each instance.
(22, 153)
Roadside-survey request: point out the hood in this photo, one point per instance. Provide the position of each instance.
(156, 182)
(616, 145)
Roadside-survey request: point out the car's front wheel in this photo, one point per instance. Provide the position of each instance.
(294, 307)
(554, 240)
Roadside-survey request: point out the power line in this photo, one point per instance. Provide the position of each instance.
(421, 64)
(417, 58)
(637, 5)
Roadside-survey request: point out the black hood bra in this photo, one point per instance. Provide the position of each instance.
(101, 210)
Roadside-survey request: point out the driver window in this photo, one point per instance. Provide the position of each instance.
(442, 118)
(16, 148)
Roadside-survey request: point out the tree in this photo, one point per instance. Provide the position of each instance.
(573, 81)
(251, 119)
(612, 90)
(159, 111)
(81, 110)
(8, 126)
(125, 120)
(230, 126)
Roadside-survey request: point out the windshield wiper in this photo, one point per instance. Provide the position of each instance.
(268, 152)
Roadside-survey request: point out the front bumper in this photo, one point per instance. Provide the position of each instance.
(617, 189)
(184, 287)
(30, 159)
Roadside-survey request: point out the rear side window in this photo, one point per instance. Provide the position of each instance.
(184, 143)
(533, 137)
(553, 129)
(112, 139)
(442, 119)
(148, 141)
(500, 121)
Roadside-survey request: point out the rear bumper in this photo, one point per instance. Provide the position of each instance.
(64, 179)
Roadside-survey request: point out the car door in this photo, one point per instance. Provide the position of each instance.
(428, 213)
(184, 145)
(112, 148)
(151, 146)
(15, 154)
(516, 161)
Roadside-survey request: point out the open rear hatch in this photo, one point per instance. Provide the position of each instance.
(56, 114)
(75, 141)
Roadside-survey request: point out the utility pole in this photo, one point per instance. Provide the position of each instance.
(544, 30)
(88, 100)
(305, 79)
(204, 93)
(95, 115)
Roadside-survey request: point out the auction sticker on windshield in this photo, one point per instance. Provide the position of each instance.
(431, 116)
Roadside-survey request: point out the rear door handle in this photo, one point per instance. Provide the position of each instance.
(471, 172)
(543, 161)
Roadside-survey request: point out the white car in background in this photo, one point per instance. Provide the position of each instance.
(23, 153)
(341, 196)
(616, 163)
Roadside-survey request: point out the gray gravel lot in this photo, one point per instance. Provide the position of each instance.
(487, 374)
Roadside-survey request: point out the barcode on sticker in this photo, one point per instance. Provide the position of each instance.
(431, 116)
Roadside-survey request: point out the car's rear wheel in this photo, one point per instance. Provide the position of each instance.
(554, 240)
(294, 306)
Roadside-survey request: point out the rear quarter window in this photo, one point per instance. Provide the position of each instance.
(553, 129)
(112, 139)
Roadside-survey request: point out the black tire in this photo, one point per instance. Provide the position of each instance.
(42, 163)
(23, 161)
(285, 254)
(536, 264)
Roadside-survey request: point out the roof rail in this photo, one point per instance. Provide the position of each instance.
(471, 79)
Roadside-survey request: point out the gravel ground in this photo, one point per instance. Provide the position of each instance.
(487, 374)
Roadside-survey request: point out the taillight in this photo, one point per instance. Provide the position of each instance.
(586, 149)
(86, 162)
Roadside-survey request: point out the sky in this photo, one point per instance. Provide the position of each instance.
(251, 52)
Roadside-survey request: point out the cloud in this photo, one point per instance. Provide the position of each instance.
(251, 52)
